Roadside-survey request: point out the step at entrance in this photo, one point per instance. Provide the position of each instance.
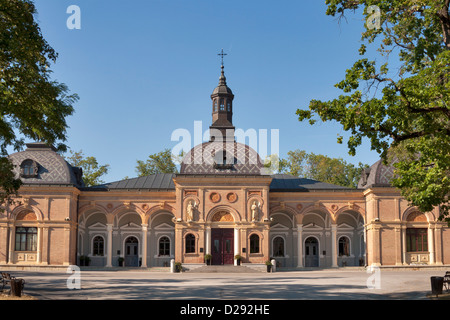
(223, 269)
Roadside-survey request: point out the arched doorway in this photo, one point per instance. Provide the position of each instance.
(222, 238)
(311, 252)
(131, 252)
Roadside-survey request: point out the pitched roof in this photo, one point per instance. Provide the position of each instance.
(288, 183)
(164, 182)
(156, 182)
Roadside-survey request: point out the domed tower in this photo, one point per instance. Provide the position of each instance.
(222, 128)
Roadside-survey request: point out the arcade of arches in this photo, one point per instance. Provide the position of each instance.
(302, 232)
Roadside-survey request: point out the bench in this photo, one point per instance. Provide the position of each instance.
(6, 279)
(447, 281)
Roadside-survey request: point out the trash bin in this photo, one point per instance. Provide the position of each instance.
(437, 284)
(17, 287)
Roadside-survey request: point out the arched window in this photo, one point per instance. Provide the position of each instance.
(190, 243)
(215, 105)
(278, 247)
(28, 169)
(344, 246)
(222, 104)
(164, 246)
(254, 243)
(98, 246)
(228, 105)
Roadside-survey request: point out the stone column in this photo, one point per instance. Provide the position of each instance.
(333, 246)
(300, 246)
(431, 243)
(376, 230)
(144, 246)
(398, 246)
(3, 244)
(39, 245)
(236, 244)
(208, 240)
(109, 229)
(404, 245)
(67, 233)
(12, 236)
(438, 243)
(45, 259)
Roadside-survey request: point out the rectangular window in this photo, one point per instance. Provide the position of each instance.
(26, 239)
(190, 244)
(416, 240)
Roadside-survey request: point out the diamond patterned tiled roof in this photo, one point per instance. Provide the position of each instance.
(52, 168)
(241, 159)
(378, 174)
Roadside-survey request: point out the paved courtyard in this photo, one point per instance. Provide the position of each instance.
(287, 285)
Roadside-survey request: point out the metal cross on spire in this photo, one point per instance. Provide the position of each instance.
(222, 54)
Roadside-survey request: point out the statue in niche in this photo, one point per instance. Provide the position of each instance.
(256, 206)
(191, 207)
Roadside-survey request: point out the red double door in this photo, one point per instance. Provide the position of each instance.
(222, 246)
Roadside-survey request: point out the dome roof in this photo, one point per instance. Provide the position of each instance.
(40, 164)
(222, 88)
(208, 158)
(378, 175)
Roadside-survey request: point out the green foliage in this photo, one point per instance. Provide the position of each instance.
(161, 162)
(92, 171)
(321, 168)
(31, 105)
(8, 182)
(405, 109)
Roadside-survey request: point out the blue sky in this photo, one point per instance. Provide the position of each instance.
(144, 68)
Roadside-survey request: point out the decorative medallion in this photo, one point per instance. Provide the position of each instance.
(215, 197)
(222, 216)
(232, 197)
(299, 207)
(109, 206)
(334, 207)
(145, 206)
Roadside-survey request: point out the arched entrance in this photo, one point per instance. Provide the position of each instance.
(131, 252)
(311, 252)
(222, 238)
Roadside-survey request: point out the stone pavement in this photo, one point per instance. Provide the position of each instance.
(328, 284)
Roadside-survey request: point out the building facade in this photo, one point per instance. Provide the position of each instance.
(222, 203)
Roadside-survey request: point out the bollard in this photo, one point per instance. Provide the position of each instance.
(172, 266)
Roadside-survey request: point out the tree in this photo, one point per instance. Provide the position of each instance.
(31, 105)
(9, 183)
(321, 168)
(161, 162)
(405, 111)
(92, 171)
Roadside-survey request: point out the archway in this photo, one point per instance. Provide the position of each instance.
(131, 252)
(311, 252)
